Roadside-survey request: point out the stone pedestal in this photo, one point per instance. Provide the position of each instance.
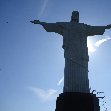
(75, 101)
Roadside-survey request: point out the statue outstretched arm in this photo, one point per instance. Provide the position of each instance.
(96, 30)
(50, 27)
(37, 22)
(108, 26)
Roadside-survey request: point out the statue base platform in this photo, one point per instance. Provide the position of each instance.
(76, 101)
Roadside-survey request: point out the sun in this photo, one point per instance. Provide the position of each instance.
(90, 46)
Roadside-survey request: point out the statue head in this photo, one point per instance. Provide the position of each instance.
(75, 16)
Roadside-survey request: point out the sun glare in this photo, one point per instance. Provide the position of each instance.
(90, 46)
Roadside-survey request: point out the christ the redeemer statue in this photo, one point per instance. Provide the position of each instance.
(75, 50)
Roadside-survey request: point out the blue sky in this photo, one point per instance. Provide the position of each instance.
(31, 59)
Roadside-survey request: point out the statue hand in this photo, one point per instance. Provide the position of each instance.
(35, 22)
(108, 26)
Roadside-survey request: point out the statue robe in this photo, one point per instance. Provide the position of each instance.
(75, 52)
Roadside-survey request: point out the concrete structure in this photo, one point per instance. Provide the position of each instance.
(76, 61)
(70, 101)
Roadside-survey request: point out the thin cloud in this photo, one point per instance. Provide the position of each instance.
(92, 47)
(43, 8)
(60, 81)
(44, 95)
(100, 42)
